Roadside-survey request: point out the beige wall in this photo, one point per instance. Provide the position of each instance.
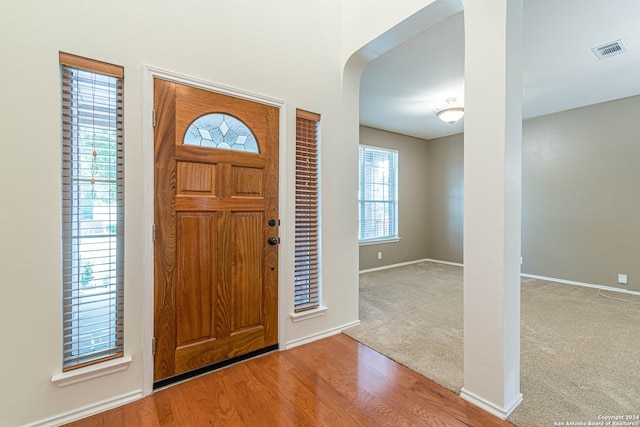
(445, 187)
(412, 200)
(581, 194)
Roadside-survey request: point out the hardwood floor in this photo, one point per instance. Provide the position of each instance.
(332, 382)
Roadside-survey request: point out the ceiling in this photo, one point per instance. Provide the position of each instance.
(400, 89)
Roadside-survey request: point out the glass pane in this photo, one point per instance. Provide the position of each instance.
(221, 131)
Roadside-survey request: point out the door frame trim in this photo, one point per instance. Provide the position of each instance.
(149, 74)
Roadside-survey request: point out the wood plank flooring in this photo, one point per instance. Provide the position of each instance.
(331, 382)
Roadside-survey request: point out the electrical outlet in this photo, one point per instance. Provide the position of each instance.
(379, 255)
(622, 279)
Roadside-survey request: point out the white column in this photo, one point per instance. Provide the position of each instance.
(492, 204)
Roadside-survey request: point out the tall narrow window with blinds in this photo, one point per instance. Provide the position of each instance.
(378, 195)
(92, 211)
(307, 250)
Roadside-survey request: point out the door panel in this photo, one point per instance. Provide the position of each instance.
(246, 274)
(196, 178)
(195, 294)
(247, 182)
(215, 273)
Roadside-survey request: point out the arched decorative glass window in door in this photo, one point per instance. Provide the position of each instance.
(223, 131)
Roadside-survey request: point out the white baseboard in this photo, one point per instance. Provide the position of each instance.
(88, 410)
(314, 337)
(437, 261)
(587, 285)
(532, 276)
(491, 407)
(384, 267)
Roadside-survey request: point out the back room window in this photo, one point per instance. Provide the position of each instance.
(378, 195)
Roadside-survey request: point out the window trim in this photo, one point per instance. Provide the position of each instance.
(309, 314)
(394, 201)
(90, 372)
(371, 242)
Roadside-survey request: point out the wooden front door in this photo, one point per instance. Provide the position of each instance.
(216, 227)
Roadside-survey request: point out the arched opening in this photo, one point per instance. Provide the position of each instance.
(502, 394)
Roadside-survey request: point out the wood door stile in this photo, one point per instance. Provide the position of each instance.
(216, 274)
(165, 189)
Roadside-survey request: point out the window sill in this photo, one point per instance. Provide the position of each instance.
(90, 372)
(316, 312)
(377, 242)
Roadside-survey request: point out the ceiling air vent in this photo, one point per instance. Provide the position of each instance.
(610, 49)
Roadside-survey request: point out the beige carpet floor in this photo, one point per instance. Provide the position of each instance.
(580, 351)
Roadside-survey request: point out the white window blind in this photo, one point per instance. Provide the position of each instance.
(307, 253)
(378, 194)
(92, 211)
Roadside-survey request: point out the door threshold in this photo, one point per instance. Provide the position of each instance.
(165, 382)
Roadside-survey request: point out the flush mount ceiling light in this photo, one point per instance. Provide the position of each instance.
(451, 112)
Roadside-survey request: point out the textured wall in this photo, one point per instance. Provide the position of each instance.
(581, 194)
(445, 194)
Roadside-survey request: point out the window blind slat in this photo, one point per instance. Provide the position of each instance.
(307, 258)
(92, 211)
